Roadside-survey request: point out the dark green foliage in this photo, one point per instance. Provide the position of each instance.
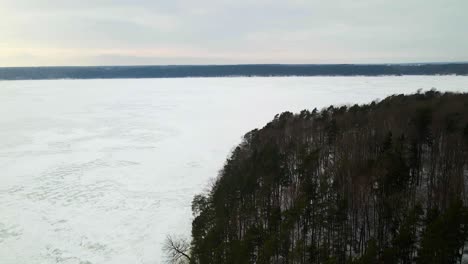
(378, 183)
(445, 235)
(370, 255)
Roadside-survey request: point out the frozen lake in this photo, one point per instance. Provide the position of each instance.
(100, 171)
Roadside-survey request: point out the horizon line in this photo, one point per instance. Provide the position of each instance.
(239, 64)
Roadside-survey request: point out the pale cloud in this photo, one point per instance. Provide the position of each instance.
(61, 32)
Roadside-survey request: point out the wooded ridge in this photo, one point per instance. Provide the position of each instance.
(384, 182)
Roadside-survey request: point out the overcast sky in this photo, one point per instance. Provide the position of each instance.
(139, 32)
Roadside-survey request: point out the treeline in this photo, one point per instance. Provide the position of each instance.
(384, 182)
(179, 71)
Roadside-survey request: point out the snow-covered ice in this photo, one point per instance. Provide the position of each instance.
(100, 171)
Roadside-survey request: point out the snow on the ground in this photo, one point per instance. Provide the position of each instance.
(100, 171)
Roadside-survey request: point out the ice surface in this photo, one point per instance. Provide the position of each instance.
(99, 171)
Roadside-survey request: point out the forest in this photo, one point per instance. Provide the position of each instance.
(384, 182)
(248, 70)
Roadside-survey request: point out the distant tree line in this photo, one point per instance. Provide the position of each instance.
(384, 182)
(179, 71)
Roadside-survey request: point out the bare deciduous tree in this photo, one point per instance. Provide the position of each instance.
(177, 250)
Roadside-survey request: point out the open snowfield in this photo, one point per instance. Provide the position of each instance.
(100, 171)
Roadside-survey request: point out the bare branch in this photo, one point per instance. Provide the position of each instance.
(177, 250)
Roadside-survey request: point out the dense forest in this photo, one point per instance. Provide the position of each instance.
(384, 182)
(178, 71)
